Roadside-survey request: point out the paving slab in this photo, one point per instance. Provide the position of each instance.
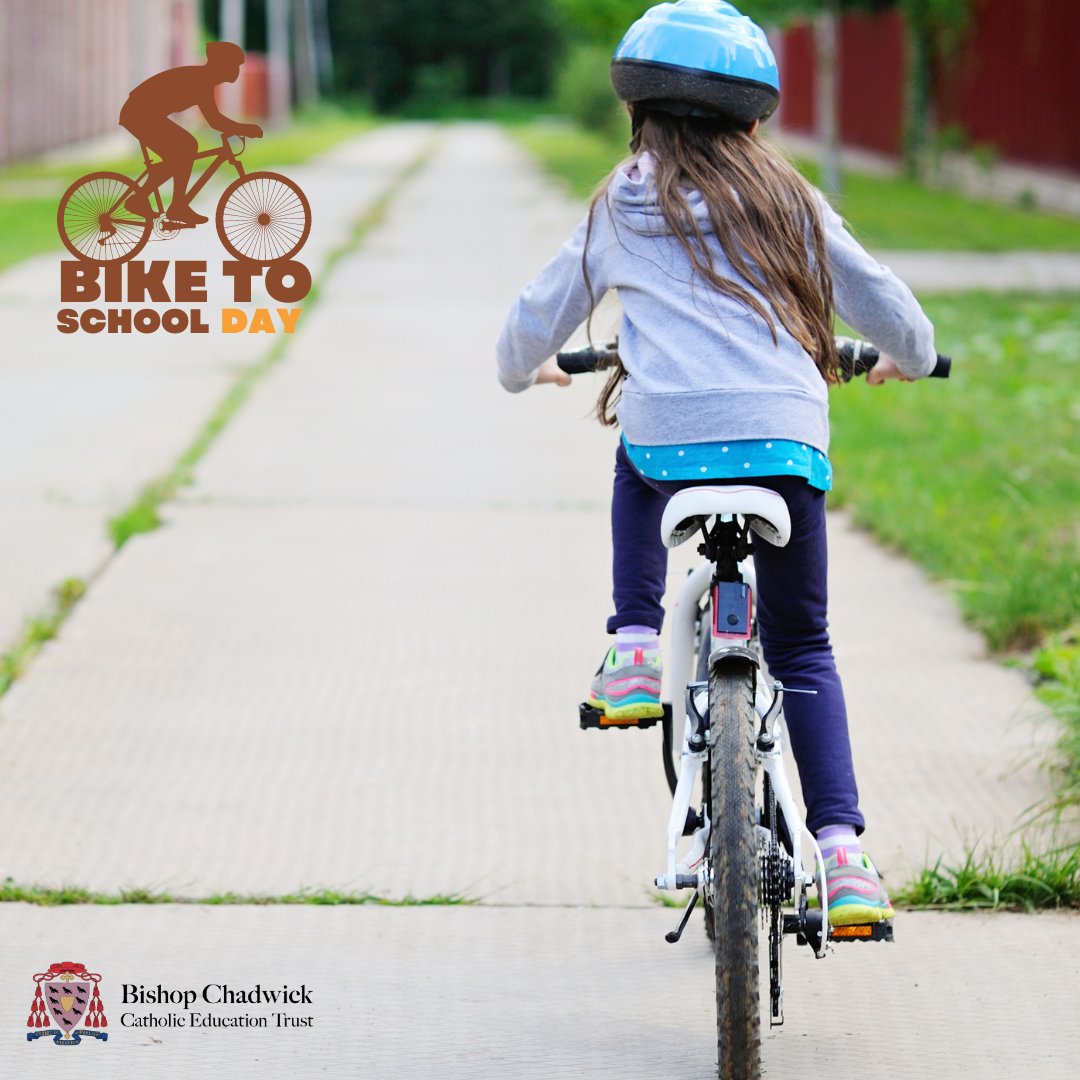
(352, 658)
(964, 271)
(86, 420)
(537, 994)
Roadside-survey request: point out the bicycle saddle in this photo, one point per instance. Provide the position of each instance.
(764, 510)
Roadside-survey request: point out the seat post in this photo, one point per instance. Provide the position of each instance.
(725, 546)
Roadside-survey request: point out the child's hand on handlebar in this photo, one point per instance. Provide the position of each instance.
(550, 372)
(249, 131)
(884, 369)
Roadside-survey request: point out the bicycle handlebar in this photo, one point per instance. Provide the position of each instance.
(856, 358)
(583, 361)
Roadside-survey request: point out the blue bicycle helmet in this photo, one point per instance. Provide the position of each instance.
(698, 58)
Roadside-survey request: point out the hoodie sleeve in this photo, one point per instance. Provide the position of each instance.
(548, 311)
(874, 302)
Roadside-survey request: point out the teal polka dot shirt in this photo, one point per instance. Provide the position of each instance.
(738, 457)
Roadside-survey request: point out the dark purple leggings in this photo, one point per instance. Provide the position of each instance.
(792, 614)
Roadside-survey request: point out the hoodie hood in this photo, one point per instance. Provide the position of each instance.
(632, 196)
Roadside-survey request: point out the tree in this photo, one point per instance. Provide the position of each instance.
(825, 15)
(934, 28)
(394, 50)
(600, 22)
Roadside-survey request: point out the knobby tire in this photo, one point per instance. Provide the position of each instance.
(733, 856)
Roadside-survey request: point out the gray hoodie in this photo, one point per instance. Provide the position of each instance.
(701, 367)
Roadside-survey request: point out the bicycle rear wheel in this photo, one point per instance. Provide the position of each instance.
(94, 223)
(734, 868)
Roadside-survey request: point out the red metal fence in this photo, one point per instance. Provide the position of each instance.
(66, 68)
(1014, 83)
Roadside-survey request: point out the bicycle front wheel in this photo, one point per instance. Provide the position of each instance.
(734, 870)
(263, 217)
(94, 222)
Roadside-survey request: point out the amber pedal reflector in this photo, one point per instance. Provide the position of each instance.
(851, 931)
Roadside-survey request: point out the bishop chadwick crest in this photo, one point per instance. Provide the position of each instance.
(67, 996)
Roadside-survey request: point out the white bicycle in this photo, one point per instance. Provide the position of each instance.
(744, 850)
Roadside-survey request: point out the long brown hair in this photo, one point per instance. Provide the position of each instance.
(763, 214)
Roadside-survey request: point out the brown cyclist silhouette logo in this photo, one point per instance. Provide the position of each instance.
(262, 217)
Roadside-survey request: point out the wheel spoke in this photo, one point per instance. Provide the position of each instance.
(94, 207)
(284, 214)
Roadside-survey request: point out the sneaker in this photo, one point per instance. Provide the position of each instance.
(856, 894)
(627, 685)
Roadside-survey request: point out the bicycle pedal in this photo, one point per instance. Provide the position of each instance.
(168, 223)
(878, 931)
(591, 717)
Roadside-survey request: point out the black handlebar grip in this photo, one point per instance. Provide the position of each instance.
(858, 357)
(579, 362)
(589, 359)
(942, 368)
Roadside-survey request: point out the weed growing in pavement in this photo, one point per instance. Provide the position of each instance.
(38, 630)
(1057, 666)
(143, 514)
(679, 900)
(46, 896)
(983, 882)
(333, 898)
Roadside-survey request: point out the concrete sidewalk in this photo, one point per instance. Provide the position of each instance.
(540, 994)
(964, 271)
(351, 660)
(269, 639)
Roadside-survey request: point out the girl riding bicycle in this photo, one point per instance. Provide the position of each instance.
(729, 267)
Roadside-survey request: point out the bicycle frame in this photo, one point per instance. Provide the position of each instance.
(685, 631)
(222, 155)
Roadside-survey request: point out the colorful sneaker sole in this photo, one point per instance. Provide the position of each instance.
(642, 707)
(858, 914)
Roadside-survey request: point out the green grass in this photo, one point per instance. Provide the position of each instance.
(27, 227)
(64, 895)
(31, 190)
(1037, 882)
(978, 478)
(38, 630)
(884, 212)
(1057, 666)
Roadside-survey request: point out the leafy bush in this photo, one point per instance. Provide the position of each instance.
(583, 90)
